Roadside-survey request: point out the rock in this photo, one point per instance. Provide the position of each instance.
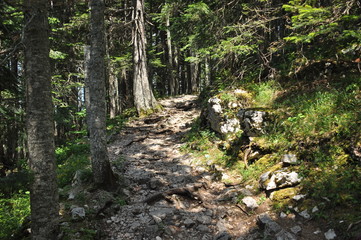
(203, 228)
(289, 159)
(330, 234)
(161, 213)
(284, 235)
(252, 122)
(296, 229)
(223, 236)
(214, 115)
(78, 213)
(283, 194)
(285, 179)
(246, 192)
(315, 209)
(230, 126)
(203, 219)
(270, 227)
(250, 203)
(283, 215)
(279, 179)
(299, 197)
(188, 223)
(71, 196)
(305, 214)
(155, 183)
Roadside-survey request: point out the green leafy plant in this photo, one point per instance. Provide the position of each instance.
(13, 212)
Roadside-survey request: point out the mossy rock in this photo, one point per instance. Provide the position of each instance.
(284, 195)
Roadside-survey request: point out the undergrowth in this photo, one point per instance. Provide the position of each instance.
(319, 122)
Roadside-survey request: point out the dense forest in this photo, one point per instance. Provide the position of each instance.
(72, 73)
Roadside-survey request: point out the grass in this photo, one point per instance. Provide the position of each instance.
(319, 123)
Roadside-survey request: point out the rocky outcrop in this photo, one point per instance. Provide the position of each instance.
(221, 112)
(279, 179)
(253, 122)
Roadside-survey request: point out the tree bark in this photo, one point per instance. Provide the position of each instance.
(171, 76)
(40, 130)
(96, 110)
(144, 99)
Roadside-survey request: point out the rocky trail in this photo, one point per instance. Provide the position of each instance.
(170, 197)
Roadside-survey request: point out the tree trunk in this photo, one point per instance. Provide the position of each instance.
(170, 65)
(144, 99)
(96, 111)
(114, 97)
(194, 74)
(40, 129)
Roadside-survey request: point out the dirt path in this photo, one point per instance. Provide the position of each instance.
(168, 196)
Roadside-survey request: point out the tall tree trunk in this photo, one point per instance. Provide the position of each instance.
(170, 65)
(114, 97)
(96, 111)
(144, 99)
(40, 129)
(194, 74)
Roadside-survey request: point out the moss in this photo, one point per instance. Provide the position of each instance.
(284, 194)
(147, 112)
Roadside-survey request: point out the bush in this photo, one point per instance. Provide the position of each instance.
(13, 211)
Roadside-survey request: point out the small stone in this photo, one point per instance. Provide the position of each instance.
(188, 223)
(283, 215)
(284, 235)
(158, 238)
(305, 214)
(71, 196)
(296, 229)
(78, 212)
(330, 234)
(203, 228)
(315, 209)
(289, 159)
(250, 203)
(317, 232)
(299, 197)
(246, 192)
(223, 236)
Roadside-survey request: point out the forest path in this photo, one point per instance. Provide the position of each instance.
(169, 197)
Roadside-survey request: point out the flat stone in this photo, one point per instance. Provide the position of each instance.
(284, 235)
(250, 203)
(188, 223)
(77, 212)
(296, 229)
(223, 236)
(315, 209)
(330, 234)
(289, 159)
(299, 197)
(305, 214)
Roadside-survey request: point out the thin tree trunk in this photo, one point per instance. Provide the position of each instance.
(114, 98)
(144, 99)
(194, 71)
(172, 79)
(103, 175)
(40, 130)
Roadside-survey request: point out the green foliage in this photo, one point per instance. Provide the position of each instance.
(265, 93)
(13, 211)
(71, 158)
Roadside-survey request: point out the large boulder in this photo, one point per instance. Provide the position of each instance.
(222, 109)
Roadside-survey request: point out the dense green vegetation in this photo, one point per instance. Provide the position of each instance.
(299, 59)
